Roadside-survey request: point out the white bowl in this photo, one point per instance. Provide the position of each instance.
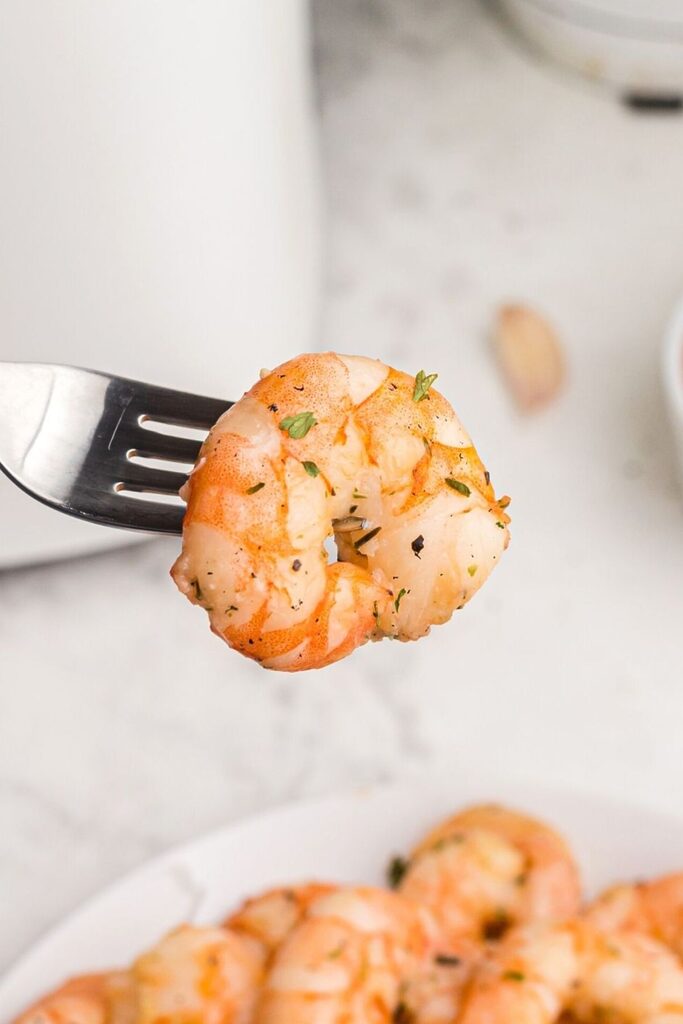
(634, 45)
(672, 373)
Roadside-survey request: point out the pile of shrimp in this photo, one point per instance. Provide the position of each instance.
(483, 923)
(336, 447)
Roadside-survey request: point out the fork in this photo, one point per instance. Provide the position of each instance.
(78, 441)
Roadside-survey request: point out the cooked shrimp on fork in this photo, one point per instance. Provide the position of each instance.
(336, 446)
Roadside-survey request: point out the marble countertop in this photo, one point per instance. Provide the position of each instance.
(460, 171)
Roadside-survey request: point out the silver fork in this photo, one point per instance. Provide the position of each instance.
(74, 439)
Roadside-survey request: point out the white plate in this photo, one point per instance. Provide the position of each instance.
(349, 838)
(158, 201)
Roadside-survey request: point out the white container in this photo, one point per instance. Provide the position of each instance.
(636, 45)
(158, 202)
(672, 375)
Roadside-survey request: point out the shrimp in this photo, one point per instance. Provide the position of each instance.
(346, 962)
(653, 908)
(198, 976)
(543, 974)
(488, 868)
(90, 999)
(343, 446)
(432, 994)
(268, 919)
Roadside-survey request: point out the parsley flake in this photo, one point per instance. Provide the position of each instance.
(401, 594)
(423, 383)
(471, 569)
(396, 869)
(514, 976)
(458, 486)
(299, 425)
(255, 488)
(311, 468)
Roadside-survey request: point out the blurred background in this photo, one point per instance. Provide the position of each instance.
(189, 197)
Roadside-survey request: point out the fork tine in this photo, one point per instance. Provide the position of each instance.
(151, 445)
(67, 437)
(179, 408)
(134, 477)
(154, 516)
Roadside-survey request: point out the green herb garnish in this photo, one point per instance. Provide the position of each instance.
(501, 526)
(396, 869)
(358, 544)
(471, 569)
(311, 468)
(401, 594)
(357, 495)
(423, 383)
(299, 425)
(514, 976)
(458, 486)
(255, 488)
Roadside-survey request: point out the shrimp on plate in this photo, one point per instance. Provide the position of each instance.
(488, 868)
(91, 999)
(546, 974)
(433, 992)
(269, 918)
(198, 976)
(346, 962)
(345, 447)
(478, 873)
(653, 908)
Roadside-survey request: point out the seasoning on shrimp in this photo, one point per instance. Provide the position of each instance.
(346, 962)
(489, 868)
(549, 973)
(91, 999)
(344, 447)
(198, 974)
(653, 908)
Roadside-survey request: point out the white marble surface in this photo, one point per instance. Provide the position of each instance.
(460, 172)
